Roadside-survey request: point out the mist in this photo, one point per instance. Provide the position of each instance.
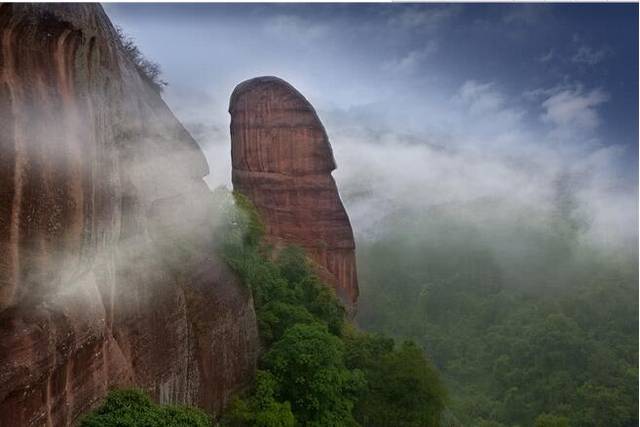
(473, 150)
(421, 111)
(526, 174)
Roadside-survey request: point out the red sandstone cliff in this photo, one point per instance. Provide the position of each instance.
(282, 161)
(107, 273)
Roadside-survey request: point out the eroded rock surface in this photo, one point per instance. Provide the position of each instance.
(282, 161)
(107, 269)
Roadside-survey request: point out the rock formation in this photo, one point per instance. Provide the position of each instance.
(107, 269)
(282, 161)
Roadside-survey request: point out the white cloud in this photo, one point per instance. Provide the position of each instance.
(488, 153)
(589, 56)
(480, 97)
(574, 107)
(412, 60)
(483, 115)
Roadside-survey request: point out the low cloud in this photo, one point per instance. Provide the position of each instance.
(488, 107)
(490, 154)
(412, 132)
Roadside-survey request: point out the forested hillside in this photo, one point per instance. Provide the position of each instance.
(316, 369)
(528, 322)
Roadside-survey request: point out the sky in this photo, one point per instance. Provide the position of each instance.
(424, 104)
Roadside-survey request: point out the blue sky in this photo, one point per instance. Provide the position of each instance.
(507, 96)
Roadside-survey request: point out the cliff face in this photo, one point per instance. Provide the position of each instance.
(107, 268)
(282, 161)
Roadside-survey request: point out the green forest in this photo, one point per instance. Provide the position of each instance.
(527, 323)
(464, 326)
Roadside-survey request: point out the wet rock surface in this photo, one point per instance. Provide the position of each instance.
(108, 274)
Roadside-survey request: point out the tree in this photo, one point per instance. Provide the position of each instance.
(308, 366)
(403, 389)
(317, 297)
(276, 317)
(261, 409)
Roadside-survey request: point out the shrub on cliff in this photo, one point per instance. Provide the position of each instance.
(148, 69)
(133, 408)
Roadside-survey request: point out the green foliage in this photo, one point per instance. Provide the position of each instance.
(402, 388)
(248, 220)
(261, 409)
(315, 296)
(513, 342)
(133, 408)
(276, 317)
(308, 365)
(316, 370)
(549, 420)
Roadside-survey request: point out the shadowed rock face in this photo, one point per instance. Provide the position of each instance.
(107, 272)
(282, 161)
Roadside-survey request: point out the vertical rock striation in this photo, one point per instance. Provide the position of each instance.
(107, 269)
(282, 161)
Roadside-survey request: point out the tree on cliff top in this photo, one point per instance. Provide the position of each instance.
(148, 69)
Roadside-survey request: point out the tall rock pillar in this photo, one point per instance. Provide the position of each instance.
(282, 161)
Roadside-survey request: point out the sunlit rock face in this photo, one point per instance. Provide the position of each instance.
(282, 161)
(107, 269)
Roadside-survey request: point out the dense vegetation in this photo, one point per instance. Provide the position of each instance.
(316, 369)
(530, 326)
(541, 331)
(133, 408)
